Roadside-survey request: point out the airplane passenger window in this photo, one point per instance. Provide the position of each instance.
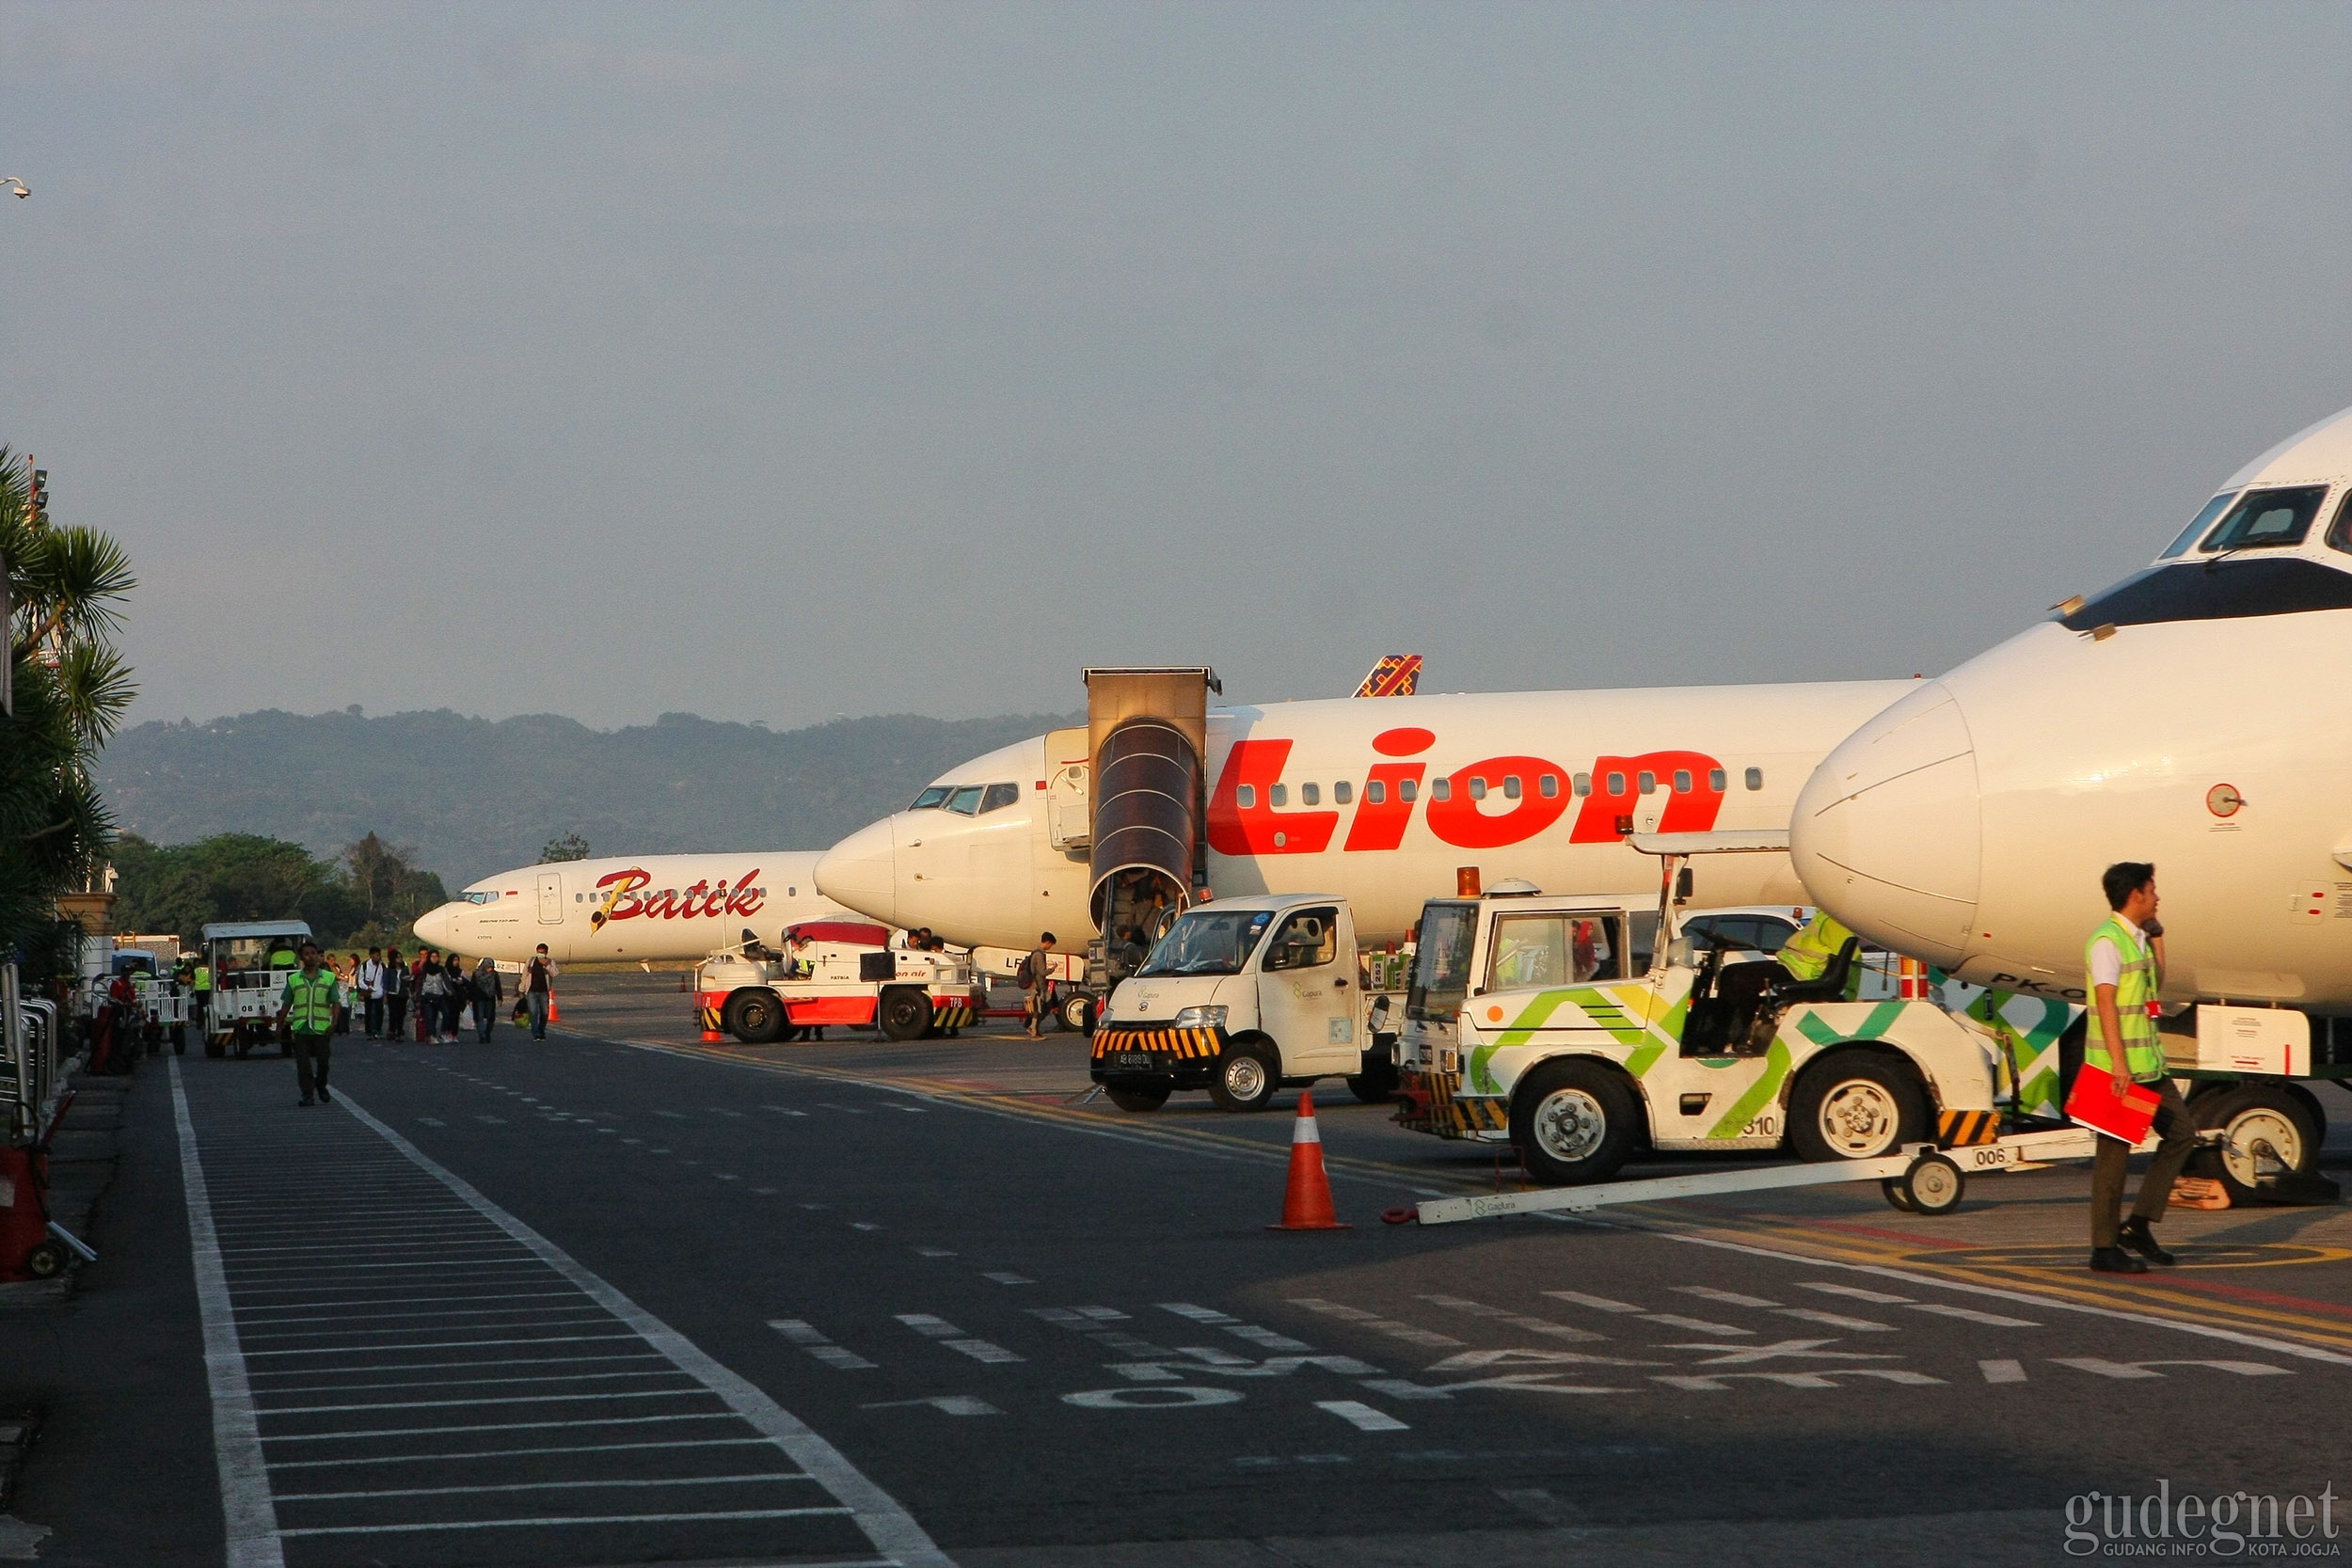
(1683, 781)
(1616, 784)
(2195, 529)
(1715, 779)
(1407, 789)
(1647, 780)
(1343, 792)
(1511, 786)
(2267, 519)
(1550, 785)
(965, 801)
(1310, 795)
(1583, 784)
(1375, 793)
(1755, 777)
(1441, 789)
(930, 797)
(1280, 795)
(998, 797)
(1246, 797)
(1478, 789)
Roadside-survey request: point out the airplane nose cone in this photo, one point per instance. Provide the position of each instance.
(861, 872)
(436, 927)
(1887, 835)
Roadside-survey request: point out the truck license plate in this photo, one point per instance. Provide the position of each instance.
(1135, 1058)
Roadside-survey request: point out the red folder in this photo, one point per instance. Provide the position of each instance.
(2096, 1105)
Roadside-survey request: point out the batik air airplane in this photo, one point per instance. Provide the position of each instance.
(653, 909)
(2182, 716)
(1382, 802)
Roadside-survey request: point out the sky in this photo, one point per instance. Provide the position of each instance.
(775, 362)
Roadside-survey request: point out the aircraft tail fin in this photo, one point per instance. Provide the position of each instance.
(1395, 676)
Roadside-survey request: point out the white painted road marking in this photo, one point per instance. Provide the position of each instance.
(1969, 1314)
(955, 1339)
(1363, 1417)
(818, 1346)
(2002, 1371)
(1729, 1298)
(2141, 1368)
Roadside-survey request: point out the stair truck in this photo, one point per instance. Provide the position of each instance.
(846, 974)
(1246, 996)
(251, 960)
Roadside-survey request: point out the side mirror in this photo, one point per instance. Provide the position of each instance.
(1678, 953)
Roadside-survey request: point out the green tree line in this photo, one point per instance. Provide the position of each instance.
(364, 896)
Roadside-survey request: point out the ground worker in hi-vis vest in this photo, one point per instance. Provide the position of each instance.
(308, 1003)
(2124, 959)
(1806, 956)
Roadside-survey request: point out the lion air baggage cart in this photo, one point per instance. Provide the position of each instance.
(844, 975)
(250, 961)
(1242, 997)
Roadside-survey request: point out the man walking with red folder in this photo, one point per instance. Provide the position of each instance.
(2125, 961)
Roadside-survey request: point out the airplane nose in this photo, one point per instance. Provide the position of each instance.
(1887, 833)
(861, 872)
(434, 927)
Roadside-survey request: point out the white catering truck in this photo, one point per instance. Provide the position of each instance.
(846, 975)
(1245, 995)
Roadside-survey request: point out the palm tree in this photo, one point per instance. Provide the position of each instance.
(68, 686)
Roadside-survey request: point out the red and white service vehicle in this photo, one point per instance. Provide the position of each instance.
(847, 976)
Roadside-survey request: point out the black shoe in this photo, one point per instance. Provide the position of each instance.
(324, 1099)
(307, 1101)
(2114, 1260)
(2137, 1235)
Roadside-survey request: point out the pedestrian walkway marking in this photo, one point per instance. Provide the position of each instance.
(2142, 1368)
(1969, 1314)
(1378, 1325)
(1836, 1320)
(818, 1346)
(1696, 1325)
(1003, 1277)
(1363, 1417)
(328, 1404)
(955, 1339)
(1856, 1292)
(1729, 1298)
(950, 1404)
(1516, 1319)
(2002, 1371)
(1599, 1304)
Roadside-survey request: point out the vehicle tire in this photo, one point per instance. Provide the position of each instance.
(1246, 1076)
(46, 1261)
(1376, 1083)
(1137, 1098)
(2270, 1133)
(1574, 1122)
(753, 1015)
(1856, 1105)
(1078, 1013)
(1898, 1193)
(215, 1047)
(905, 1013)
(1934, 1185)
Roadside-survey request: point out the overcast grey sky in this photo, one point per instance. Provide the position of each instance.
(771, 362)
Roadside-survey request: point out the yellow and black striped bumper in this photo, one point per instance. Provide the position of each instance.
(1123, 1050)
(953, 1012)
(1966, 1128)
(1426, 1104)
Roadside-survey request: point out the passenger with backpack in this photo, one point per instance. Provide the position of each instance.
(1036, 976)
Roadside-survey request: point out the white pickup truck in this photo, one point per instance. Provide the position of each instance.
(1242, 997)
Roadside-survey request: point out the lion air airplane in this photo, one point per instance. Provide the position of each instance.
(2180, 715)
(1380, 801)
(654, 908)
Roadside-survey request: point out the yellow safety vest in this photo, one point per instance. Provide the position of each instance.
(2134, 1005)
(203, 978)
(310, 1002)
(1806, 955)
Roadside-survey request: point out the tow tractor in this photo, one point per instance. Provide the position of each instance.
(251, 960)
(1244, 996)
(846, 974)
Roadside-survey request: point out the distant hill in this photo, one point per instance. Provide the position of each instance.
(474, 797)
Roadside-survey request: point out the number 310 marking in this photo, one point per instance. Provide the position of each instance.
(1766, 1126)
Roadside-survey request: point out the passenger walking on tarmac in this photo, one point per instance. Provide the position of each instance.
(538, 985)
(428, 1009)
(2125, 958)
(308, 1006)
(1037, 977)
(432, 993)
(395, 993)
(488, 992)
(460, 994)
(370, 982)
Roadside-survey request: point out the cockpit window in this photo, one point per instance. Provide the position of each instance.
(2340, 535)
(965, 800)
(999, 796)
(2267, 519)
(936, 795)
(490, 897)
(2205, 520)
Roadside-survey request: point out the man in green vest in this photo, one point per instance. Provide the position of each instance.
(2124, 970)
(1806, 956)
(203, 989)
(308, 1003)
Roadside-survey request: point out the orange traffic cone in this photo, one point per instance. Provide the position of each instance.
(1307, 1203)
(554, 1015)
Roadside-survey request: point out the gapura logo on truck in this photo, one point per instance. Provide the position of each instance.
(622, 898)
(1481, 805)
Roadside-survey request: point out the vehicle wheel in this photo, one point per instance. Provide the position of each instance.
(1376, 1083)
(905, 1014)
(753, 1015)
(1078, 1013)
(45, 1260)
(1853, 1105)
(1137, 1098)
(1573, 1122)
(215, 1046)
(2270, 1133)
(1898, 1193)
(1934, 1185)
(1246, 1076)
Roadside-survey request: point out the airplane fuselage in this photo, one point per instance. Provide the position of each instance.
(646, 909)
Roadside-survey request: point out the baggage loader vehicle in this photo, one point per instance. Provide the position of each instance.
(846, 975)
(251, 960)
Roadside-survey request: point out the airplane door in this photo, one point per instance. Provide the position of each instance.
(1307, 990)
(550, 898)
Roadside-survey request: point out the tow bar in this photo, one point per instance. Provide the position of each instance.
(1922, 1180)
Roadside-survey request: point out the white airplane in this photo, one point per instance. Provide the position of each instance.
(1380, 801)
(2180, 715)
(657, 908)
